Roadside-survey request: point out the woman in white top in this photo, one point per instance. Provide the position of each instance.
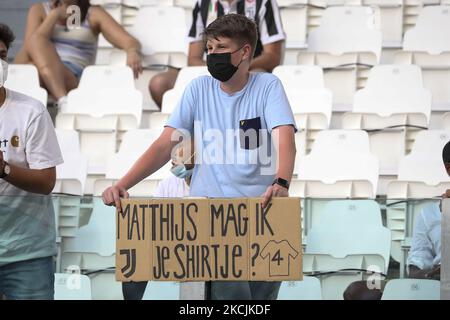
(61, 40)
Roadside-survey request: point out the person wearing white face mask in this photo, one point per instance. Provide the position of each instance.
(29, 153)
(174, 186)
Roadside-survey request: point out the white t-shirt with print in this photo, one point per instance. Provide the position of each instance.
(27, 140)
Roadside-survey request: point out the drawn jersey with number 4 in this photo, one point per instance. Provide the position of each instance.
(279, 254)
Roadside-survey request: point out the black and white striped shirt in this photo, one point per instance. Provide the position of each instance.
(265, 13)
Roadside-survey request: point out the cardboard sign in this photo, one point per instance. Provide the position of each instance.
(176, 239)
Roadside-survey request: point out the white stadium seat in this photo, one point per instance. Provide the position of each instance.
(92, 250)
(307, 289)
(72, 287)
(340, 242)
(346, 44)
(428, 46)
(24, 78)
(159, 290)
(394, 96)
(412, 289)
(342, 167)
(294, 15)
(173, 96)
(344, 243)
(310, 101)
(339, 166)
(134, 144)
(103, 106)
(71, 175)
(155, 47)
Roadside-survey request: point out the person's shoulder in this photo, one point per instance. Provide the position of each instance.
(26, 103)
(96, 10)
(265, 78)
(204, 79)
(201, 81)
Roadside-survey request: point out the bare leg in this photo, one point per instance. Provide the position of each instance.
(22, 57)
(162, 82)
(51, 69)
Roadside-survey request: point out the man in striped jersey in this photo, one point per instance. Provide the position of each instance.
(268, 53)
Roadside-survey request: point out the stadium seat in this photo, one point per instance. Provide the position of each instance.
(412, 289)
(294, 15)
(428, 46)
(134, 144)
(332, 248)
(339, 166)
(394, 96)
(69, 187)
(103, 106)
(421, 178)
(346, 44)
(392, 18)
(349, 239)
(159, 290)
(310, 101)
(72, 287)
(92, 250)
(71, 175)
(307, 289)
(336, 274)
(24, 78)
(342, 167)
(348, 214)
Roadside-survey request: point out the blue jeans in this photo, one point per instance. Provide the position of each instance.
(28, 280)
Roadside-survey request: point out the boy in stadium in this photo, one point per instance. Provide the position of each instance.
(243, 130)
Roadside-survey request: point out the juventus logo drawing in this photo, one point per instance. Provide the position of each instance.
(131, 262)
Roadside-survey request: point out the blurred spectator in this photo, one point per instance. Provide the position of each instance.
(424, 259)
(269, 48)
(61, 40)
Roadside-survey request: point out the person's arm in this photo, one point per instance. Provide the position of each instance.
(45, 29)
(35, 181)
(195, 55)
(284, 142)
(415, 272)
(269, 58)
(117, 36)
(153, 159)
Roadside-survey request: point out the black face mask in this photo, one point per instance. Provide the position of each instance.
(220, 66)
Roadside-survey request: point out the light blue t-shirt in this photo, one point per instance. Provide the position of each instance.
(233, 134)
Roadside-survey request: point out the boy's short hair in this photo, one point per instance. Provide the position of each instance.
(237, 27)
(6, 35)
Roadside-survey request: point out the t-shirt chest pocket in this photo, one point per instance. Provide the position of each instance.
(250, 133)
